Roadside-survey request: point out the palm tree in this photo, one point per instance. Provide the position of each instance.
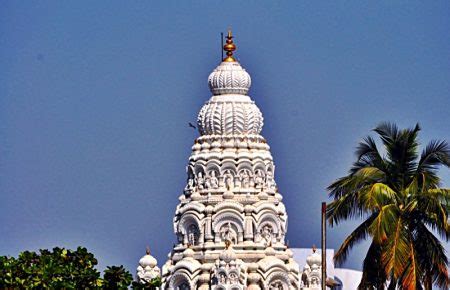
(398, 196)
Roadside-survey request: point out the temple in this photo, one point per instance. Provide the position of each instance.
(230, 222)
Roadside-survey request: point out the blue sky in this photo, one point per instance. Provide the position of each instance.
(95, 98)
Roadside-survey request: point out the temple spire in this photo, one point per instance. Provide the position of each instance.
(229, 47)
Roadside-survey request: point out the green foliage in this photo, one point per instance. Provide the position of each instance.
(59, 269)
(399, 197)
(116, 278)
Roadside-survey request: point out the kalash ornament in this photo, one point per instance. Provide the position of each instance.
(231, 222)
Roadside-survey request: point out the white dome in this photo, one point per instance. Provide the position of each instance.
(147, 260)
(229, 78)
(314, 259)
(230, 115)
(147, 269)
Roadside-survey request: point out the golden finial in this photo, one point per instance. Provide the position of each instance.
(147, 250)
(314, 248)
(229, 47)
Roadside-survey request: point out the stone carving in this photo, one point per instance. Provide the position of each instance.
(229, 78)
(228, 178)
(220, 116)
(245, 178)
(229, 164)
(311, 277)
(190, 185)
(222, 278)
(277, 285)
(226, 273)
(147, 269)
(259, 179)
(270, 182)
(193, 234)
(228, 234)
(267, 233)
(233, 277)
(200, 181)
(212, 181)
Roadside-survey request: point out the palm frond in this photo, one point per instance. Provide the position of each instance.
(343, 208)
(431, 208)
(388, 133)
(368, 156)
(356, 181)
(431, 256)
(401, 149)
(373, 276)
(436, 153)
(359, 234)
(411, 278)
(400, 192)
(377, 196)
(384, 224)
(396, 250)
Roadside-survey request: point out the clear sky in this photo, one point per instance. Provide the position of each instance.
(96, 96)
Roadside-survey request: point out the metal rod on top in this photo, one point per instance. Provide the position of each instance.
(221, 45)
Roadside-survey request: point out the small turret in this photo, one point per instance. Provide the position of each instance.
(147, 269)
(312, 271)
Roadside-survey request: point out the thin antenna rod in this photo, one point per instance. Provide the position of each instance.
(221, 42)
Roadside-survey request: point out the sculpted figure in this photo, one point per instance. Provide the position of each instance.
(315, 281)
(259, 179)
(245, 179)
(193, 235)
(276, 286)
(228, 177)
(190, 185)
(266, 233)
(228, 234)
(233, 278)
(200, 181)
(213, 181)
(270, 182)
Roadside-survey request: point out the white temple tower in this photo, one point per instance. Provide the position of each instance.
(230, 222)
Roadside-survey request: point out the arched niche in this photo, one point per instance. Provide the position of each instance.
(199, 168)
(190, 171)
(268, 228)
(180, 281)
(190, 229)
(228, 226)
(245, 165)
(229, 165)
(278, 281)
(270, 168)
(213, 165)
(259, 165)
